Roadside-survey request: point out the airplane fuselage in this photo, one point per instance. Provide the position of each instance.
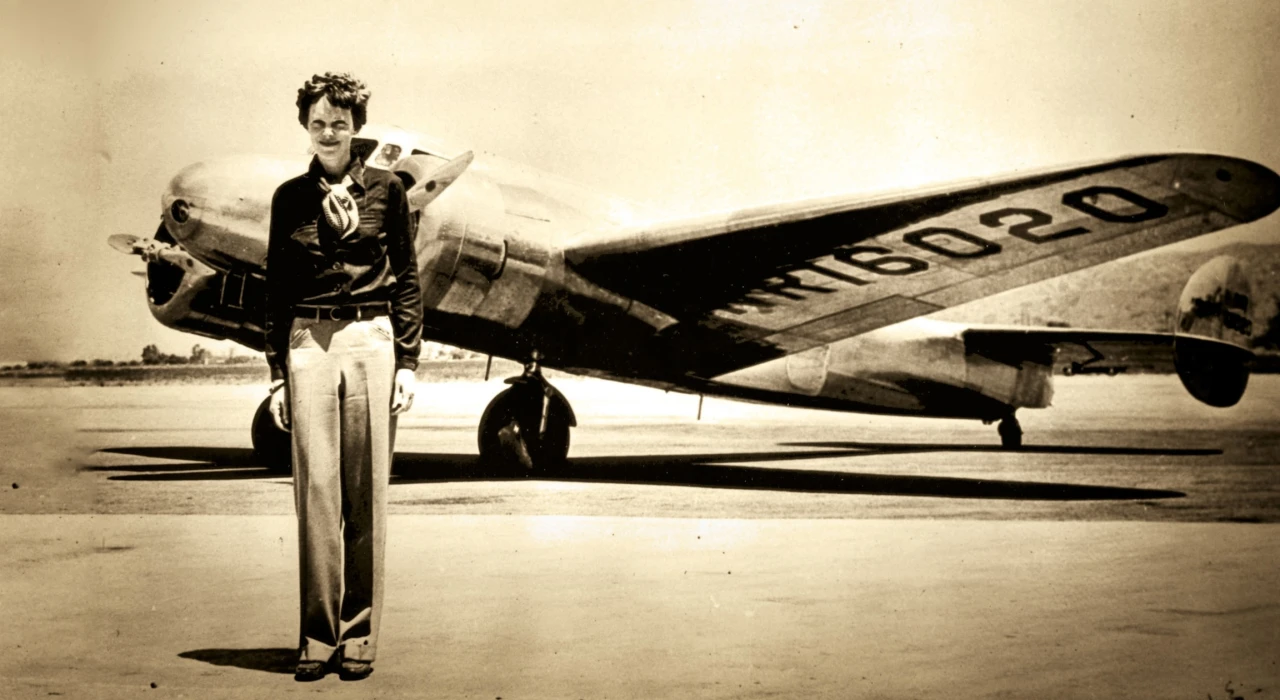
(490, 242)
(493, 276)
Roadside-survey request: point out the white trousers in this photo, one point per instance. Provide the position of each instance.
(341, 376)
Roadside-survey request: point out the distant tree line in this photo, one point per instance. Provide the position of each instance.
(200, 355)
(151, 355)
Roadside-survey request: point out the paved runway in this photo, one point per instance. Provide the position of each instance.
(1129, 550)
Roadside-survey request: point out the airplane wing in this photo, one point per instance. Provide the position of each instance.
(751, 285)
(1073, 351)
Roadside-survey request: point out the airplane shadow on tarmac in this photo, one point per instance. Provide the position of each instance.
(269, 660)
(710, 470)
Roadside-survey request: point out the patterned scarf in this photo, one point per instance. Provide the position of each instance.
(339, 206)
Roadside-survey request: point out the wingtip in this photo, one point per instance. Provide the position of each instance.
(1272, 180)
(1260, 187)
(1243, 189)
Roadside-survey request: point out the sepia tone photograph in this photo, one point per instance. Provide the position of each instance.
(682, 349)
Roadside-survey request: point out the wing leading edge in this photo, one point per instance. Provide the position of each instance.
(770, 281)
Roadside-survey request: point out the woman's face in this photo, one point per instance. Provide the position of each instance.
(331, 129)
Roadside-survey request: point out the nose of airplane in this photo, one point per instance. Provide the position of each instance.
(219, 210)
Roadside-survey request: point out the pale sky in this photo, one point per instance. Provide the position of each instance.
(680, 107)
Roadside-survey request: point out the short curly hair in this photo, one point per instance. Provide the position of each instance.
(343, 89)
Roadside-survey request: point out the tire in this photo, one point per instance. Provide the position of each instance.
(508, 435)
(272, 446)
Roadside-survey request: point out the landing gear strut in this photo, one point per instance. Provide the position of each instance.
(527, 425)
(1010, 432)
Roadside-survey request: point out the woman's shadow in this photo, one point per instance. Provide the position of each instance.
(269, 660)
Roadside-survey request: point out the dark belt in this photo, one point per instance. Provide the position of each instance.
(343, 312)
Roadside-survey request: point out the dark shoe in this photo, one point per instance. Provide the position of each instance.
(308, 671)
(355, 670)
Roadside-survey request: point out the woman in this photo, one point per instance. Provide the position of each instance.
(344, 324)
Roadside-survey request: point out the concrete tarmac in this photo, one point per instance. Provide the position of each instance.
(1130, 550)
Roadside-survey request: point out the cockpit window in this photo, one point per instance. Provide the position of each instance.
(389, 154)
(361, 148)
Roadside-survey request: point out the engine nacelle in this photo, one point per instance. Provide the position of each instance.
(1213, 328)
(188, 295)
(920, 367)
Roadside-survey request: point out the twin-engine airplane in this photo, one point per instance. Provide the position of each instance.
(814, 304)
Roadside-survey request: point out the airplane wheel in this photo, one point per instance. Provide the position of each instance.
(1010, 433)
(510, 425)
(271, 445)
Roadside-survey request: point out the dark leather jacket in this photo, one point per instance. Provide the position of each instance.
(309, 263)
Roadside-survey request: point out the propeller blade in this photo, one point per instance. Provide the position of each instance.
(425, 192)
(149, 249)
(124, 243)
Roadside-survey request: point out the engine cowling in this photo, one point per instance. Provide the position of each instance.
(1213, 327)
(185, 294)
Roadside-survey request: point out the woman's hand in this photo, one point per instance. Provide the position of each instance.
(279, 405)
(402, 395)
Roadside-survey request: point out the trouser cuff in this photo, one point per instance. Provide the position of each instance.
(315, 651)
(360, 649)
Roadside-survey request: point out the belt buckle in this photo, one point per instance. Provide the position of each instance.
(333, 313)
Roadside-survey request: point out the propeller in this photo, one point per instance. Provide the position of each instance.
(426, 190)
(125, 243)
(129, 245)
(149, 249)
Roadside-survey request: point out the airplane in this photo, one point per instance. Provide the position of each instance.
(820, 303)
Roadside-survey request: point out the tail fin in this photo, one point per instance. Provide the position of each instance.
(1213, 328)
